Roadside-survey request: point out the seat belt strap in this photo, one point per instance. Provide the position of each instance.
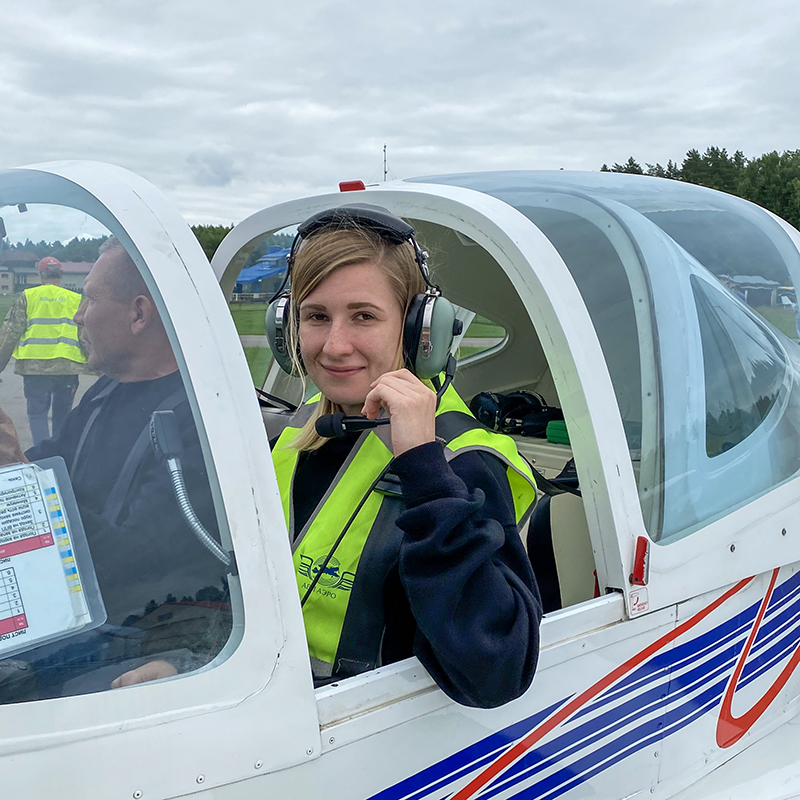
(360, 643)
(98, 401)
(119, 492)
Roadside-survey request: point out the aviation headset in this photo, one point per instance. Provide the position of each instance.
(430, 323)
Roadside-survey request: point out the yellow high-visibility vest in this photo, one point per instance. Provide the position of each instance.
(51, 332)
(326, 609)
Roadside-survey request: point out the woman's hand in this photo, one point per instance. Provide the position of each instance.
(410, 404)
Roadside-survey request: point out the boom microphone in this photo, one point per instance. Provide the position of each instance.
(333, 425)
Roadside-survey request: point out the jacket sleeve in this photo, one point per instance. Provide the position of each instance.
(13, 327)
(466, 576)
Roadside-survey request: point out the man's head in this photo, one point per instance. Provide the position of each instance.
(121, 330)
(49, 269)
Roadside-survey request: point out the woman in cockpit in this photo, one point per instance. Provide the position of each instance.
(404, 535)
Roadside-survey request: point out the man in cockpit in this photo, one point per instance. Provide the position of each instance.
(143, 550)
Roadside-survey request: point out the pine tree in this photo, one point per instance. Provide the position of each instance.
(773, 181)
(210, 237)
(631, 166)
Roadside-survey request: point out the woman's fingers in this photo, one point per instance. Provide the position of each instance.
(411, 406)
(394, 389)
(402, 376)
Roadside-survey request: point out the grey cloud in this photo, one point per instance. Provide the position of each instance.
(261, 103)
(213, 169)
(71, 77)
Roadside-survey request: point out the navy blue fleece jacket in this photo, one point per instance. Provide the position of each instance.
(462, 596)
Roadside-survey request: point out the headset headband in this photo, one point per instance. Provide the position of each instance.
(375, 219)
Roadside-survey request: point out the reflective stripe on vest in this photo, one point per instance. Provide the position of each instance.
(326, 608)
(50, 333)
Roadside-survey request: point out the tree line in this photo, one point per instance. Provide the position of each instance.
(74, 250)
(771, 180)
(210, 237)
(87, 249)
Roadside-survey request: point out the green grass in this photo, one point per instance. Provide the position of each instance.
(484, 328)
(248, 318)
(782, 318)
(466, 351)
(258, 359)
(5, 304)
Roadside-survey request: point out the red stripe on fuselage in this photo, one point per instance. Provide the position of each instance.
(730, 728)
(525, 744)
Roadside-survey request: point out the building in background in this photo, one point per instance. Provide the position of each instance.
(18, 272)
(753, 289)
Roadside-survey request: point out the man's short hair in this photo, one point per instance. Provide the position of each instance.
(126, 281)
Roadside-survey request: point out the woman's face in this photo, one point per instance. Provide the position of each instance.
(350, 330)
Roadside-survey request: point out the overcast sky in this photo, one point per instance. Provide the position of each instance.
(229, 106)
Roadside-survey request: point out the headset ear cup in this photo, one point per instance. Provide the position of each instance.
(428, 335)
(412, 330)
(276, 324)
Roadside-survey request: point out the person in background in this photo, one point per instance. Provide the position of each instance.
(40, 333)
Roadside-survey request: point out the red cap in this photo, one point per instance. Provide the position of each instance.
(49, 266)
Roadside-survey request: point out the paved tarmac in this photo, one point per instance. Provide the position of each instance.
(12, 401)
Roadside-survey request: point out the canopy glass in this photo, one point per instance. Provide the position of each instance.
(678, 280)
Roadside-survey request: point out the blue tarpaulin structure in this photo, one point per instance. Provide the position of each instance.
(270, 265)
(259, 271)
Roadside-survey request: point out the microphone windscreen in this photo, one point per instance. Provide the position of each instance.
(330, 425)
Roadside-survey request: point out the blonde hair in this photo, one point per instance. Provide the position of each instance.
(321, 255)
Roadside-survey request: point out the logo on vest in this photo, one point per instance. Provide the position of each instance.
(332, 577)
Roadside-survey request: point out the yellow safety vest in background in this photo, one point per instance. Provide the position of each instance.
(51, 332)
(326, 608)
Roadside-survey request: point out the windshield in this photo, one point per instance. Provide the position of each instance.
(107, 579)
